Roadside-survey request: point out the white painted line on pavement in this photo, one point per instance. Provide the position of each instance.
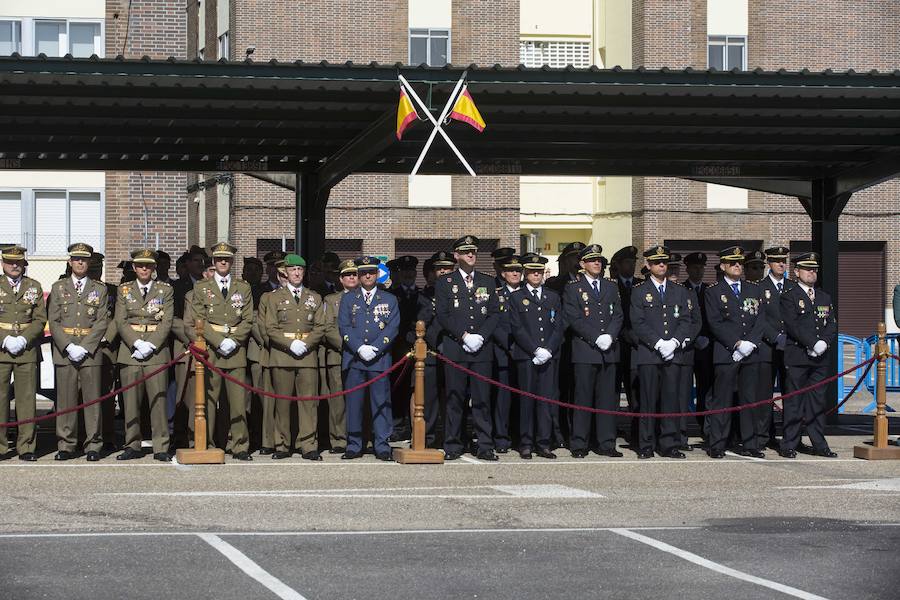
(470, 460)
(714, 566)
(545, 491)
(736, 455)
(876, 485)
(272, 583)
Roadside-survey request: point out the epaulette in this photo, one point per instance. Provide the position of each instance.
(168, 285)
(610, 279)
(571, 281)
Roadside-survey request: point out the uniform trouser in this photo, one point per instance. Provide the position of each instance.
(155, 389)
(400, 399)
(71, 379)
(685, 384)
(595, 387)
(332, 380)
(744, 376)
(296, 381)
(561, 416)
(535, 420)
(502, 399)
(237, 407)
(659, 385)
(459, 385)
(380, 403)
(768, 373)
(254, 401)
(24, 391)
(806, 411)
(628, 379)
(703, 373)
(434, 379)
(268, 411)
(185, 391)
(108, 408)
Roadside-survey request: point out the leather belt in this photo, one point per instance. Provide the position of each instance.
(296, 336)
(14, 327)
(79, 331)
(143, 328)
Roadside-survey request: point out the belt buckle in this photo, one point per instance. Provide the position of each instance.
(298, 336)
(227, 329)
(17, 328)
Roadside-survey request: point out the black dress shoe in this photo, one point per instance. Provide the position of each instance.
(686, 448)
(717, 454)
(130, 454)
(753, 453)
(544, 453)
(109, 448)
(452, 455)
(826, 452)
(279, 454)
(787, 453)
(242, 455)
(64, 455)
(92, 456)
(161, 456)
(674, 453)
(264, 451)
(501, 450)
(385, 456)
(337, 450)
(28, 457)
(487, 455)
(645, 453)
(804, 449)
(580, 453)
(312, 455)
(525, 453)
(612, 452)
(351, 455)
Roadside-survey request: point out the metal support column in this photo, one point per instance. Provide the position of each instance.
(310, 202)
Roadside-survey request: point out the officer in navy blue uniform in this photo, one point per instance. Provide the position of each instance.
(439, 265)
(509, 269)
(695, 265)
(595, 317)
(623, 262)
(811, 336)
(685, 361)
(403, 277)
(771, 357)
(661, 321)
(368, 320)
(734, 310)
(537, 322)
(468, 311)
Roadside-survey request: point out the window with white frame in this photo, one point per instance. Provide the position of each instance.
(47, 221)
(429, 46)
(537, 53)
(223, 46)
(10, 37)
(58, 37)
(11, 218)
(726, 52)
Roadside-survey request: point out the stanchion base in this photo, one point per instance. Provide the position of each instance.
(192, 456)
(408, 456)
(870, 452)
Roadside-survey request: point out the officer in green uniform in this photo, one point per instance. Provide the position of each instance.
(144, 312)
(337, 423)
(225, 303)
(252, 274)
(108, 353)
(268, 402)
(77, 311)
(294, 325)
(22, 319)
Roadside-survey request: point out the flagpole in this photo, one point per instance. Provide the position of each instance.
(437, 124)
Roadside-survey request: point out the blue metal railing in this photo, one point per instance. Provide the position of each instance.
(857, 348)
(893, 368)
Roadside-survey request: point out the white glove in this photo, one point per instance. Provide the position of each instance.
(746, 348)
(604, 342)
(15, 344)
(780, 341)
(138, 355)
(145, 348)
(367, 353)
(536, 361)
(701, 342)
(227, 346)
(298, 348)
(669, 347)
(76, 353)
(820, 347)
(685, 342)
(543, 355)
(812, 353)
(736, 356)
(473, 342)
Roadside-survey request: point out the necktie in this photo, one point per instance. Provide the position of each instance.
(297, 296)
(15, 286)
(535, 294)
(78, 287)
(368, 297)
(143, 291)
(224, 288)
(662, 293)
(596, 285)
(779, 285)
(736, 288)
(812, 294)
(469, 281)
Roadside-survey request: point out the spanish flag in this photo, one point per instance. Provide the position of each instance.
(465, 110)
(406, 114)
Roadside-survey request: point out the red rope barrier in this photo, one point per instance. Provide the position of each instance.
(619, 413)
(400, 377)
(852, 390)
(199, 355)
(96, 400)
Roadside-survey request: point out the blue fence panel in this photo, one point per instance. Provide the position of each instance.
(893, 369)
(853, 346)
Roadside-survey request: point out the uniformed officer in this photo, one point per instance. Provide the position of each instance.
(225, 303)
(674, 271)
(22, 319)
(536, 320)
(333, 346)
(754, 265)
(144, 313)
(733, 307)
(163, 264)
(468, 311)
(271, 259)
(661, 320)
(252, 274)
(109, 352)
(403, 275)
(685, 362)
(695, 265)
(267, 441)
(594, 316)
(369, 320)
(771, 363)
(811, 328)
(568, 267)
(77, 313)
(623, 263)
(509, 267)
(294, 325)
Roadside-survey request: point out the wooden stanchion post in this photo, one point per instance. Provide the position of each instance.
(418, 454)
(879, 448)
(200, 454)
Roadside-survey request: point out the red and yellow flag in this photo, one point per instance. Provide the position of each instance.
(465, 110)
(406, 114)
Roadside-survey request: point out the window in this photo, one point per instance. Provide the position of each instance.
(81, 39)
(49, 37)
(727, 52)
(429, 46)
(84, 39)
(10, 218)
(46, 221)
(555, 54)
(223, 46)
(10, 37)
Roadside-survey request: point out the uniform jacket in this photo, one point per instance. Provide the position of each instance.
(735, 318)
(156, 311)
(774, 326)
(234, 311)
(288, 320)
(260, 330)
(653, 320)
(806, 322)
(460, 311)
(375, 324)
(687, 355)
(502, 333)
(434, 335)
(86, 314)
(628, 335)
(180, 289)
(333, 345)
(589, 316)
(109, 344)
(26, 313)
(535, 323)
